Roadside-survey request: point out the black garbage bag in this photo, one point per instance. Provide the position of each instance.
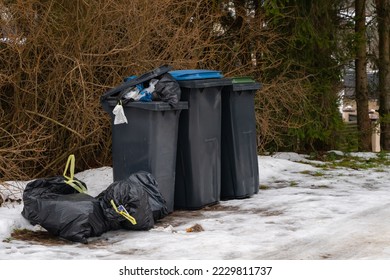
(156, 200)
(168, 90)
(139, 197)
(62, 210)
(45, 188)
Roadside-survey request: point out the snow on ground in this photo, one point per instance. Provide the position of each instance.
(302, 211)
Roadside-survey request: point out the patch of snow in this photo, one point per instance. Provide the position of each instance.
(301, 212)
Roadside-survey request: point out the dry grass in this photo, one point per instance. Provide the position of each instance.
(39, 237)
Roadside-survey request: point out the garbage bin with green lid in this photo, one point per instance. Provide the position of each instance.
(148, 141)
(198, 163)
(239, 163)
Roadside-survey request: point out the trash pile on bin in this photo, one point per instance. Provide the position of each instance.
(157, 85)
(181, 139)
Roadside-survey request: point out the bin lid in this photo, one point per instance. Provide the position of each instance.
(132, 82)
(195, 74)
(246, 87)
(151, 106)
(242, 80)
(245, 83)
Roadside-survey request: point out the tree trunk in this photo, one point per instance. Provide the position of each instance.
(364, 123)
(383, 12)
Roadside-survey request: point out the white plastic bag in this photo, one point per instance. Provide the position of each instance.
(132, 94)
(120, 116)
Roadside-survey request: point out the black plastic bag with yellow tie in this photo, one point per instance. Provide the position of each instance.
(61, 206)
(134, 203)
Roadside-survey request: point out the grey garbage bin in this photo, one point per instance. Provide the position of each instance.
(148, 141)
(198, 163)
(239, 173)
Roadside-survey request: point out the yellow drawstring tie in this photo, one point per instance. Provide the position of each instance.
(122, 211)
(77, 185)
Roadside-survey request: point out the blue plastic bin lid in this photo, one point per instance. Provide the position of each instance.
(195, 74)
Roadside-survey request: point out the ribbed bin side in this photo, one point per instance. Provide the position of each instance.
(147, 143)
(239, 173)
(198, 164)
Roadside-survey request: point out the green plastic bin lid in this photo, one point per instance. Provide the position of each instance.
(243, 80)
(244, 83)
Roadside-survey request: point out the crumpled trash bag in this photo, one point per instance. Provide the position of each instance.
(133, 199)
(156, 200)
(63, 211)
(168, 90)
(139, 196)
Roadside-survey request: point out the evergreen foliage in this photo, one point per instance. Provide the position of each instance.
(310, 50)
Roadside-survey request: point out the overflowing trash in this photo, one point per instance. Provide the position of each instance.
(168, 90)
(139, 93)
(61, 205)
(156, 85)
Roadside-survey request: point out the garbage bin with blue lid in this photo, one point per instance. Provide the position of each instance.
(198, 163)
(148, 141)
(239, 163)
(195, 74)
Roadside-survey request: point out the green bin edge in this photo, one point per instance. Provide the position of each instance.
(242, 80)
(244, 83)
